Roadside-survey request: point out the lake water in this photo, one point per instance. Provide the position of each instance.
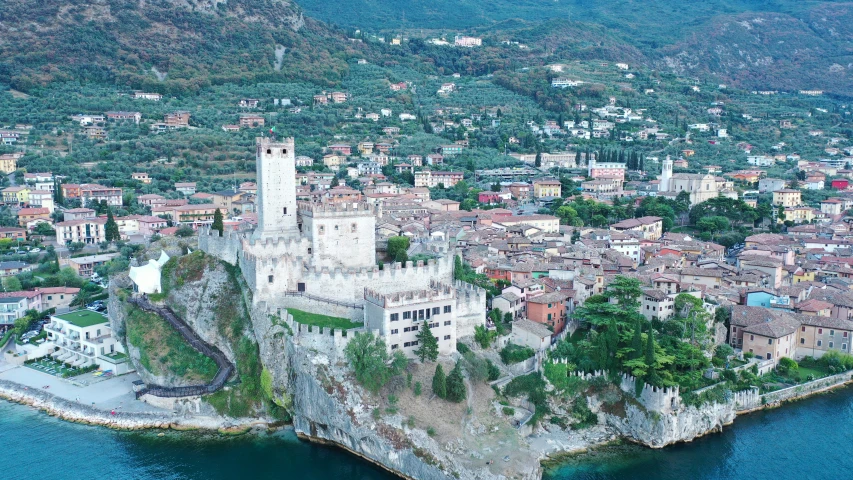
(36, 446)
(810, 439)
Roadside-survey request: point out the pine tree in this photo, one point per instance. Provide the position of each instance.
(217, 222)
(439, 382)
(456, 385)
(538, 161)
(427, 344)
(111, 232)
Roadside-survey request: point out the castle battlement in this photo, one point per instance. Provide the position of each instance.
(340, 209)
(437, 291)
(658, 399)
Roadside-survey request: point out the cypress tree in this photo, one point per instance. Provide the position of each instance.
(651, 375)
(111, 232)
(637, 341)
(427, 344)
(217, 222)
(439, 382)
(456, 385)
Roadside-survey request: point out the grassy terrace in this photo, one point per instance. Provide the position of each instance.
(324, 321)
(83, 318)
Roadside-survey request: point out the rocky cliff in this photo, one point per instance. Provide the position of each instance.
(657, 431)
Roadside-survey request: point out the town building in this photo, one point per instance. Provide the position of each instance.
(788, 197)
(186, 188)
(83, 338)
(547, 188)
(432, 179)
(651, 227)
(86, 230)
(85, 266)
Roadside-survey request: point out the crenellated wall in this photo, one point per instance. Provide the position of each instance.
(470, 307)
(226, 248)
(664, 400)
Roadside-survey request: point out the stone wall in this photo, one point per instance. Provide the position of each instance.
(657, 399)
(306, 304)
(806, 389)
(470, 308)
(225, 248)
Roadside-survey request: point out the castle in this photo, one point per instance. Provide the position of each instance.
(321, 258)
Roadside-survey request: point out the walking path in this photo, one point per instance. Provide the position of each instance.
(112, 394)
(226, 368)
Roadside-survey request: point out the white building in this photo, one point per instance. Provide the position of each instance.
(399, 317)
(82, 338)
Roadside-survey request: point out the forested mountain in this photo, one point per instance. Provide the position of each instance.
(757, 44)
(181, 46)
(171, 46)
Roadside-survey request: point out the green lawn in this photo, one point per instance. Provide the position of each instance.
(83, 318)
(318, 320)
(817, 371)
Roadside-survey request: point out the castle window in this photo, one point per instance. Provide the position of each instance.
(285, 210)
(394, 347)
(269, 151)
(447, 322)
(415, 343)
(270, 278)
(447, 309)
(395, 317)
(407, 315)
(447, 337)
(336, 228)
(354, 228)
(309, 250)
(300, 287)
(394, 331)
(436, 310)
(284, 151)
(321, 230)
(415, 328)
(407, 344)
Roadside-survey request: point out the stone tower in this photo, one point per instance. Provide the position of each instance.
(665, 175)
(276, 202)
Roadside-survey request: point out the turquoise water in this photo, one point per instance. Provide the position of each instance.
(35, 446)
(810, 439)
(805, 440)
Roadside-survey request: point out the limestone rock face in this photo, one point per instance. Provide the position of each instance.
(657, 430)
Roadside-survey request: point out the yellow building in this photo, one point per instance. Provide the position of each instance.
(802, 276)
(799, 214)
(547, 188)
(788, 197)
(9, 162)
(16, 195)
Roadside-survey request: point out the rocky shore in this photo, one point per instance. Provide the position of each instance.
(75, 412)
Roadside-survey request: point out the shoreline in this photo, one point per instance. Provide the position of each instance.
(75, 412)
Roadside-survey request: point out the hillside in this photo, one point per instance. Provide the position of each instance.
(780, 44)
(773, 51)
(170, 46)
